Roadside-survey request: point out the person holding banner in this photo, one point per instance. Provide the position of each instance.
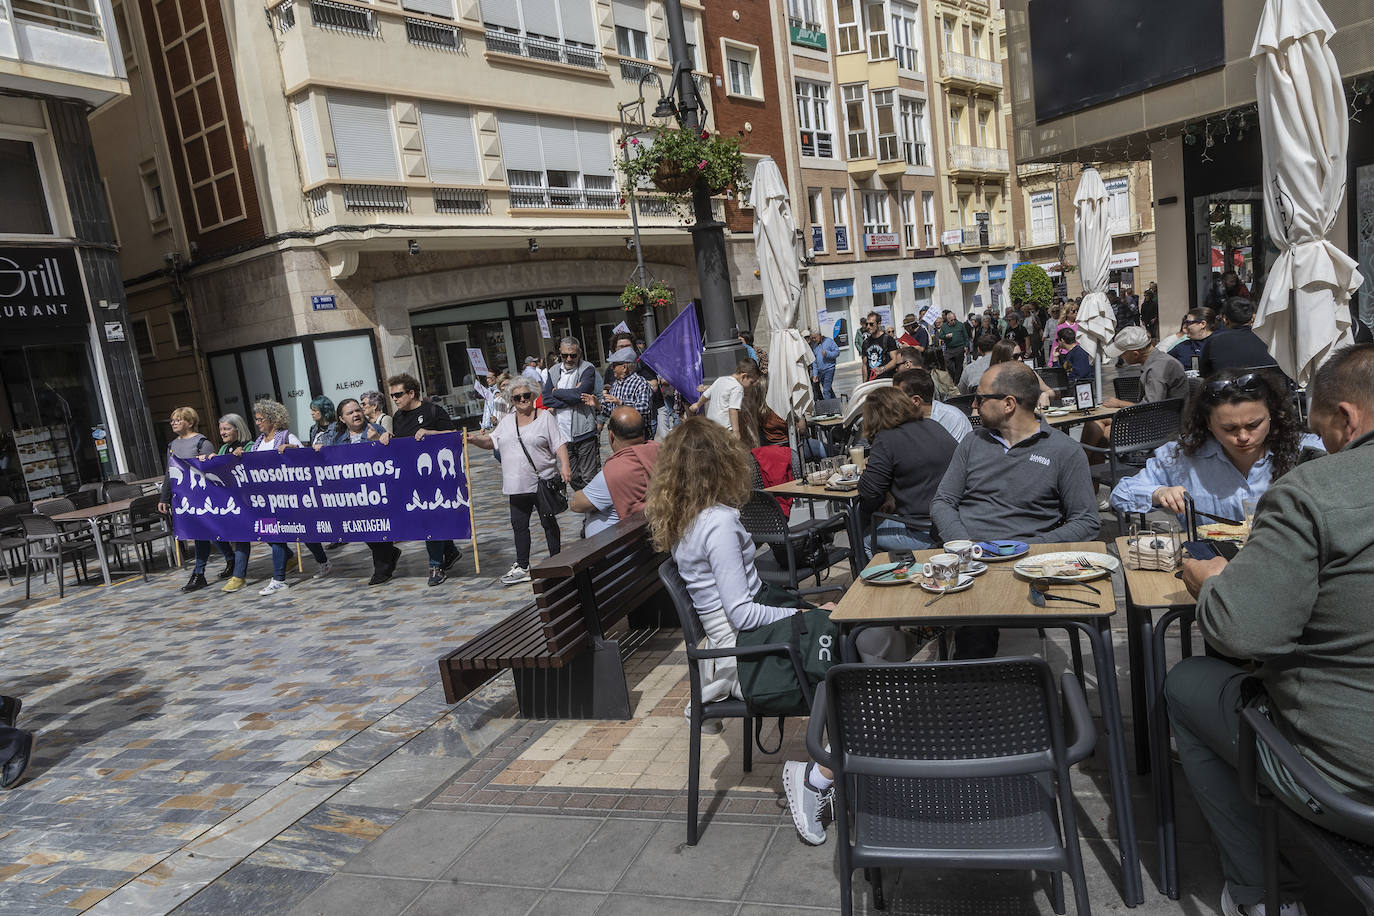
(374, 408)
(234, 437)
(417, 418)
(535, 448)
(325, 430)
(190, 444)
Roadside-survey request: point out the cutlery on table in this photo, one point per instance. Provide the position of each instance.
(1039, 595)
(1052, 580)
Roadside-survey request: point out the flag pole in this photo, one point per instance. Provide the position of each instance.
(472, 514)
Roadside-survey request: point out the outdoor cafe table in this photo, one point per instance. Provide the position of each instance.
(1077, 417)
(800, 489)
(93, 516)
(1000, 598)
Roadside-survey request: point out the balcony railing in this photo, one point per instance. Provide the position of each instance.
(970, 69)
(530, 197)
(634, 71)
(284, 14)
(1043, 235)
(977, 159)
(1121, 225)
(372, 198)
(319, 201)
(78, 16)
(505, 42)
(341, 17)
(461, 200)
(971, 237)
(654, 205)
(434, 35)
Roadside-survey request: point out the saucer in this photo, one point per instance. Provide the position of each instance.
(975, 568)
(965, 581)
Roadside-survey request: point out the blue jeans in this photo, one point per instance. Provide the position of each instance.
(202, 554)
(436, 551)
(892, 535)
(241, 549)
(825, 379)
(282, 554)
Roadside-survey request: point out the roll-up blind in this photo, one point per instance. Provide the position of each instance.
(450, 144)
(364, 138)
(433, 7)
(594, 144)
(578, 24)
(541, 17)
(501, 12)
(312, 151)
(559, 137)
(520, 148)
(630, 14)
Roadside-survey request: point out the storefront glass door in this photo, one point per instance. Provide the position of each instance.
(48, 407)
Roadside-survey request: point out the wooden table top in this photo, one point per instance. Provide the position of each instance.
(833, 421)
(1152, 588)
(804, 490)
(97, 511)
(1077, 417)
(999, 592)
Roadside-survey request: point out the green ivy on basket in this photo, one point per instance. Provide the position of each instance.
(675, 158)
(656, 294)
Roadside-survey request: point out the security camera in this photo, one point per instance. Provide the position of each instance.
(810, 253)
(413, 247)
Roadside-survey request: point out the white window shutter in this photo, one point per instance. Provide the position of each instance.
(559, 136)
(364, 137)
(578, 23)
(541, 17)
(630, 14)
(433, 7)
(450, 143)
(594, 145)
(312, 151)
(501, 13)
(520, 147)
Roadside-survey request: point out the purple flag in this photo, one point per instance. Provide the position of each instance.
(675, 353)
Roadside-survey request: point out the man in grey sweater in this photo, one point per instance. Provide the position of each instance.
(1295, 599)
(1013, 478)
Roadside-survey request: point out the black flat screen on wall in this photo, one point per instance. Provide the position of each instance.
(1086, 52)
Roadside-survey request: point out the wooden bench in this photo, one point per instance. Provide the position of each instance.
(557, 648)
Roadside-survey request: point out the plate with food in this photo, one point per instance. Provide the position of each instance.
(965, 581)
(1076, 565)
(888, 574)
(999, 551)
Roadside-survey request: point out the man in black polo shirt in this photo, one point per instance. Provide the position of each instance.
(879, 349)
(1238, 347)
(416, 419)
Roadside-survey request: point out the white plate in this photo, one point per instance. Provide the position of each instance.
(1058, 411)
(965, 581)
(1033, 567)
(975, 568)
(876, 575)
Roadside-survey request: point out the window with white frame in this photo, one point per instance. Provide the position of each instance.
(689, 26)
(739, 66)
(947, 29)
(879, 45)
(450, 143)
(631, 42)
(848, 36)
(153, 197)
(570, 22)
(909, 219)
(1042, 218)
(631, 28)
(906, 36)
(813, 119)
(839, 213)
(856, 120)
(928, 217)
(913, 117)
(889, 148)
(24, 206)
(975, 41)
(815, 209)
(364, 136)
(556, 162)
(875, 212)
(1118, 204)
(984, 137)
(956, 117)
(180, 319)
(804, 14)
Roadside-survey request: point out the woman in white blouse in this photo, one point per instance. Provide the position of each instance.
(700, 480)
(531, 447)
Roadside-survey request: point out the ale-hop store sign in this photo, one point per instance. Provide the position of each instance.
(40, 288)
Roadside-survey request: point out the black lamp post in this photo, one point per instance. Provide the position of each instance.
(708, 234)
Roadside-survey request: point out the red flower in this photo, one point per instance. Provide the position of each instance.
(622, 201)
(701, 166)
(634, 141)
(705, 135)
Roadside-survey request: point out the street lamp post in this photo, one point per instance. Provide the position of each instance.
(708, 234)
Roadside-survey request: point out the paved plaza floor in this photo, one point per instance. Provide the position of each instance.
(293, 754)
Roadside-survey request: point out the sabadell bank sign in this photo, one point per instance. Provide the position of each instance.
(40, 287)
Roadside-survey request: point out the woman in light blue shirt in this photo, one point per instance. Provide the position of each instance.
(1240, 434)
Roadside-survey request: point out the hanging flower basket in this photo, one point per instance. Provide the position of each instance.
(655, 294)
(670, 177)
(675, 159)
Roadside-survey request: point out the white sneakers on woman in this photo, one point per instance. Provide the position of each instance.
(1229, 907)
(275, 585)
(515, 575)
(805, 801)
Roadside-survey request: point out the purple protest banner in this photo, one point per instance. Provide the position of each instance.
(403, 491)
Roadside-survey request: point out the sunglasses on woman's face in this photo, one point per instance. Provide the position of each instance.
(522, 398)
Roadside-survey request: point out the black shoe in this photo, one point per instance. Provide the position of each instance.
(226, 572)
(381, 575)
(451, 555)
(437, 576)
(9, 710)
(14, 768)
(195, 583)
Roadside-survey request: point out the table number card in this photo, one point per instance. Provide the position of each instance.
(1084, 392)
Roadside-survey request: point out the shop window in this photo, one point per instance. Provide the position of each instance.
(182, 337)
(23, 199)
(143, 338)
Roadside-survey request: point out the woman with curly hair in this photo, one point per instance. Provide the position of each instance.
(1240, 434)
(700, 481)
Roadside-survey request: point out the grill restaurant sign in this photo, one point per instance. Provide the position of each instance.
(40, 287)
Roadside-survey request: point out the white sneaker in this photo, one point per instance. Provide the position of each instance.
(275, 585)
(515, 575)
(1229, 907)
(325, 569)
(805, 802)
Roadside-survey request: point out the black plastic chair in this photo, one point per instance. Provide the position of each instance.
(1128, 388)
(762, 517)
(1350, 861)
(12, 537)
(1136, 432)
(1057, 377)
(45, 540)
(693, 634)
(147, 526)
(114, 492)
(953, 765)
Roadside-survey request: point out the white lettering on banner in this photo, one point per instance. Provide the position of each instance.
(356, 526)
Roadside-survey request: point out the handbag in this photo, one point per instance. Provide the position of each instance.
(770, 683)
(550, 495)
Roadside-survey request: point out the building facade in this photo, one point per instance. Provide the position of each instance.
(71, 395)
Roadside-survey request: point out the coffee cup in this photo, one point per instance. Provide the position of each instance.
(849, 471)
(966, 551)
(942, 570)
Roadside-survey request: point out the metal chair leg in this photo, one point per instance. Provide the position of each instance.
(748, 744)
(693, 777)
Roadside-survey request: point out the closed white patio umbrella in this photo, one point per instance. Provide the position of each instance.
(1092, 237)
(1304, 314)
(775, 246)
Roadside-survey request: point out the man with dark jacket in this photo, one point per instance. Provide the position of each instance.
(564, 392)
(1237, 347)
(414, 418)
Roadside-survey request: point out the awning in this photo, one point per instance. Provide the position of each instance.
(923, 279)
(970, 274)
(997, 272)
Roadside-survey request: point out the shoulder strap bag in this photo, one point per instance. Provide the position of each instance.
(550, 495)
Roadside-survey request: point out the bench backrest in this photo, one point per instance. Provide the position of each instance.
(594, 583)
